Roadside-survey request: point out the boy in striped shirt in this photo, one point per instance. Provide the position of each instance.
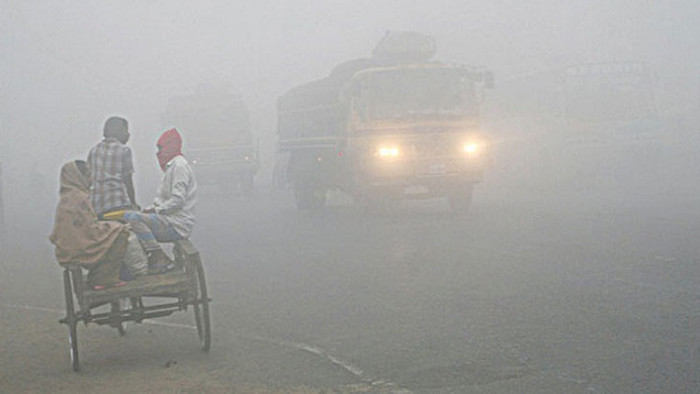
(111, 169)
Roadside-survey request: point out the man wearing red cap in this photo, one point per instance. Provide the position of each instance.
(171, 217)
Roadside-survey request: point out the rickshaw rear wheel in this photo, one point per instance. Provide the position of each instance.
(201, 304)
(73, 340)
(71, 321)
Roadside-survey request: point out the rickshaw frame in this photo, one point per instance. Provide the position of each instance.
(183, 287)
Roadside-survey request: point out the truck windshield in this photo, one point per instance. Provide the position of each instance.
(419, 93)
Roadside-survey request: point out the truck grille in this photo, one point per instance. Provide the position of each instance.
(434, 145)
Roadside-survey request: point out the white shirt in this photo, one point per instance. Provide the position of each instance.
(177, 196)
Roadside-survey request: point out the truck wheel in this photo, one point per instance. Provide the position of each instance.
(309, 197)
(461, 198)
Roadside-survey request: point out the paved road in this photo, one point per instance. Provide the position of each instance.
(527, 293)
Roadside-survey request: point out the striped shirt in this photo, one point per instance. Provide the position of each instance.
(109, 163)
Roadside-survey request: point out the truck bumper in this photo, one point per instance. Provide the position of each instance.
(423, 180)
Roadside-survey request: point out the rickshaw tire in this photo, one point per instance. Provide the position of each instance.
(201, 307)
(73, 340)
(71, 321)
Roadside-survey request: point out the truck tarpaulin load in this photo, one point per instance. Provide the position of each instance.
(386, 128)
(216, 127)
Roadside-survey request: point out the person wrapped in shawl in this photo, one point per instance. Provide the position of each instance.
(79, 237)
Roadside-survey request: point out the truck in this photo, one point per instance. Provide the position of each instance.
(609, 98)
(219, 142)
(588, 101)
(383, 129)
(584, 125)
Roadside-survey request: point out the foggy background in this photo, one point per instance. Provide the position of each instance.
(575, 270)
(68, 65)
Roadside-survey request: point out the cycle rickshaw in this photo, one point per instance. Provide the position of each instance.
(182, 288)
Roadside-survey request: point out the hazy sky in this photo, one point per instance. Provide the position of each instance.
(67, 65)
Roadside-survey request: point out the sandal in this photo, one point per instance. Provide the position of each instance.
(102, 287)
(157, 269)
(159, 262)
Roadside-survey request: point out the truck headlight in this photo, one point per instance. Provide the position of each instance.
(388, 152)
(471, 148)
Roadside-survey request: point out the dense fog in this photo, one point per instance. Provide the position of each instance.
(574, 270)
(68, 65)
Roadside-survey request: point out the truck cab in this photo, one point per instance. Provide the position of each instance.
(393, 127)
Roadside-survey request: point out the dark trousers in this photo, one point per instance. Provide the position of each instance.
(106, 271)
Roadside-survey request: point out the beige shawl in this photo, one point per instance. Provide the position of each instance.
(78, 235)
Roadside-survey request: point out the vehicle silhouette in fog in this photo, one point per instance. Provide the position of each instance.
(395, 126)
(219, 141)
